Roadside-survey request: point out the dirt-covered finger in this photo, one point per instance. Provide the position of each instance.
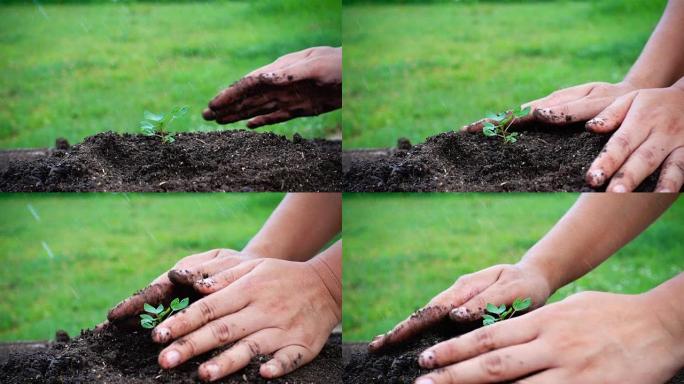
(672, 174)
(474, 308)
(286, 360)
(225, 277)
(222, 259)
(237, 357)
(267, 108)
(240, 90)
(573, 111)
(212, 335)
(610, 118)
(153, 294)
(268, 119)
(561, 96)
(416, 323)
(640, 164)
(499, 335)
(501, 365)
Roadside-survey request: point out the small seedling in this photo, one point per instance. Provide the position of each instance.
(157, 124)
(156, 315)
(502, 313)
(504, 120)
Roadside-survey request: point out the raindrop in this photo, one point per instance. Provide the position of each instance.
(33, 212)
(48, 250)
(40, 9)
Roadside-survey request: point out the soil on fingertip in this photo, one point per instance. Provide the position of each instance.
(234, 160)
(399, 365)
(131, 358)
(543, 159)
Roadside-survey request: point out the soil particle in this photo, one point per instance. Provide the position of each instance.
(117, 358)
(236, 160)
(543, 159)
(61, 336)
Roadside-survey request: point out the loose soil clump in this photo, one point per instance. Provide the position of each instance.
(399, 365)
(543, 159)
(122, 357)
(216, 161)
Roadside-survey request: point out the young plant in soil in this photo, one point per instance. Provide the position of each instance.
(157, 124)
(501, 313)
(156, 315)
(504, 120)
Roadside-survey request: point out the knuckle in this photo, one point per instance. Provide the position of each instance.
(493, 366)
(207, 310)
(221, 331)
(187, 346)
(253, 346)
(484, 339)
(648, 156)
(622, 142)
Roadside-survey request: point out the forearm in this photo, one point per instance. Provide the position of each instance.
(666, 301)
(661, 62)
(328, 266)
(299, 227)
(592, 230)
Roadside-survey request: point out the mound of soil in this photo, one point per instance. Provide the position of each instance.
(199, 161)
(400, 365)
(543, 159)
(116, 357)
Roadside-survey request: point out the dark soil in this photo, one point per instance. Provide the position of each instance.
(199, 161)
(115, 357)
(400, 365)
(543, 159)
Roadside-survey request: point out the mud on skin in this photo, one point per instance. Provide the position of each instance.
(543, 159)
(121, 357)
(216, 161)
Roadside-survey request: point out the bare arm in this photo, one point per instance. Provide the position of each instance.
(301, 225)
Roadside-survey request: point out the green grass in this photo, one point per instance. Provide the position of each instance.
(400, 250)
(417, 70)
(102, 248)
(75, 70)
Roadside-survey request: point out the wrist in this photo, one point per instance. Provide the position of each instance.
(543, 268)
(664, 302)
(329, 279)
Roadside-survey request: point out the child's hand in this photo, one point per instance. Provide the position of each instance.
(467, 298)
(589, 337)
(304, 83)
(650, 132)
(569, 105)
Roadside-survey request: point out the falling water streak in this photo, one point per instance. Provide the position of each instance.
(40, 9)
(78, 297)
(33, 212)
(48, 250)
(151, 235)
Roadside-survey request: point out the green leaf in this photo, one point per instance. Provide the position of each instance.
(489, 129)
(512, 138)
(150, 309)
(522, 112)
(488, 320)
(520, 305)
(145, 316)
(147, 324)
(179, 112)
(184, 303)
(160, 308)
(169, 138)
(153, 116)
(491, 308)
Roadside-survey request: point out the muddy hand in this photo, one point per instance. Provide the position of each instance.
(466, 300)
(171, 285)
(569, 105)
(650, 132)
(264, 306)
(587, 338)
(304, 83)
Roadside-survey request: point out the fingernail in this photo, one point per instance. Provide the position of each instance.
(172, 358)
(426, 359)
(459, 313)
(597, 177)
(663, 190)
(271, 369)
(161, 335)
(424, 380)
(212, 370)
(619, 188)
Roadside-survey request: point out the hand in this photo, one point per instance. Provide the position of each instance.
(466, 300)
(569, 105)
(174, 283)
(264, 306)
(651, 131)
(588, 338)
(303, 83)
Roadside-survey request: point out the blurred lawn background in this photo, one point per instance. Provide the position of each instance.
(415, 70)
(73, 70)
(400, 250)
(67, 258)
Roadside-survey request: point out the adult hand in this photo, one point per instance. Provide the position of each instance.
(588, 338)
(569, 105)
(264, 306)
(303, 83)
(174, 283)
(466, 300)
(650, 132)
